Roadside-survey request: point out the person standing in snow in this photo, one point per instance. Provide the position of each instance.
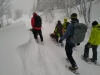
(36, 23)
(69, 45)
(93, 43)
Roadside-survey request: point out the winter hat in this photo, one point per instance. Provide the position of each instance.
(73, 15)
(59, 21)
(94, 23)
(65, 19)
(34, 14)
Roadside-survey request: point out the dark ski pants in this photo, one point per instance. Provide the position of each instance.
(94, 50)
(36, 33)
(69, 52)
(33, 32)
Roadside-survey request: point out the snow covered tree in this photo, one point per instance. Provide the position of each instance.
(18, 13)
(85, 10)
(97, 1)
(9, 13)
(83, 6)
(35, 5)
(4, 5)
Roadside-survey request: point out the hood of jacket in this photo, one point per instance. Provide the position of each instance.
(97, 27)
(65, 19)
(34, 14)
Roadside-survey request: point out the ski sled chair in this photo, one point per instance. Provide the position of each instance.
(52, 35)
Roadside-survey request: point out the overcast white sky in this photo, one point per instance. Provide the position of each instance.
(25, 5)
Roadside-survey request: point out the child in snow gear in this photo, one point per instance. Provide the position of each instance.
(65, 25)
(93, 42)
(69, 45)
(36, 23)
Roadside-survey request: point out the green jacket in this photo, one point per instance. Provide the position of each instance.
(56, 32)
(64, 24)
(58, 29)
(95, 35)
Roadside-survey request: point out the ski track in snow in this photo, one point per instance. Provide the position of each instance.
(47, 59)
(40, 60)
(43, 60)
(48, 62)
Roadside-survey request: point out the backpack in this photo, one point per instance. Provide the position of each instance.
(38, 21)
(79, 33)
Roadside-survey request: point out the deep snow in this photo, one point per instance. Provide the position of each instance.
(21, 55)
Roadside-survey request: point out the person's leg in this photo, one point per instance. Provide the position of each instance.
(56, 37)
(86, 51)
(41, 36)
(69, 53)
(94, 49)
(34, 33)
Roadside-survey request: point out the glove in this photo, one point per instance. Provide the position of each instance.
(89, 45)
(78, 44)
(60, 41)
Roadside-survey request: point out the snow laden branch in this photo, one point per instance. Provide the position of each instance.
(86, 10)
(4, 6)
(48, 6)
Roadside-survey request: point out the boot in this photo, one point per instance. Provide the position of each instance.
(42, 43)
(85, 59)
(94, 61)
(73, 68)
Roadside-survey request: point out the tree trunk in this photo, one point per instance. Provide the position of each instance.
(89, 11)
(1, 22)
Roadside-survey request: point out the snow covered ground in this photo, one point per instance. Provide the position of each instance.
(21, 55)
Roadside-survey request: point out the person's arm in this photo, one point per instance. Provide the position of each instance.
(67, 33)
(32, 22)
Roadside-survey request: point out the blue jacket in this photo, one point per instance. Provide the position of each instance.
(69, 32)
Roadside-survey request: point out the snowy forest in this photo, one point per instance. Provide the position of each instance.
(21, 54)
(48, 7)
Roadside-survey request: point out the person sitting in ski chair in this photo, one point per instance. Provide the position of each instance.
(65, 24)
(58, 32)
